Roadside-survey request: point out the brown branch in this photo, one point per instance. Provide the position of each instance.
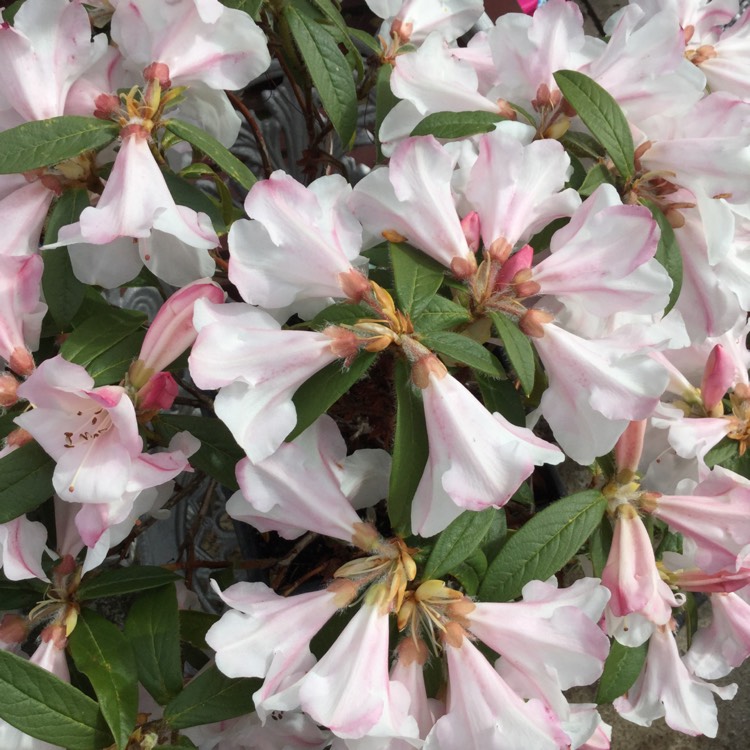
(265, 157)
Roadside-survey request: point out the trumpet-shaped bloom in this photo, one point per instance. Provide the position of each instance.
(277, 493)
(258, 367)
(300, 245)
(476, 460)
(22, 544)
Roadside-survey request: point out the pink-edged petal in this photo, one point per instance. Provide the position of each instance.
(22, 544)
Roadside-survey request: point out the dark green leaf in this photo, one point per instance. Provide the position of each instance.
(496, 536)
(416, 276)
(690, 611)
(18, 595)
(194, 625)
(582, 145)
(464, 350)
(123, 581)
(63, 292)
(42, 705)
(328, 69)
(45, 142)
(25, 481)
(102, 653)
(219, 452)
(340, 313)
(334, 17)
(599, 544)
(541, 240)
(409, 450)
(9, 14)
(106, 343)
(597, 175)
(368, 40)
(543, 545)
(724, 452)
(468, 577)
(602, 116)
(209, 697)
(385, 101)
(439, 314)
(500, 396)
(316, 395)
(251, 7)
(152, 627)
(458, 542)
(621, 670)
(668, 252)
(518, 348)
(447, 125)
(207, 144)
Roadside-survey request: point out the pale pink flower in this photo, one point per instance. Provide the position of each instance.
(23, 209)
(21, 310)
(300, 246)
(275, 492)
(258, 367)
(48, 47)
(725, 644)
(92, 434)
(477, 459)
(22, 545)
(666, 688)
(633, 579)
(134, 203)
(483, 713)
(349, 689)
(199, 40)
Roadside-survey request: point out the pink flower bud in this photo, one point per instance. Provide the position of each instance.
(21, 361)
(157, 71)
(520, 261)
(629, 447)
(106, 106)
(470, 225)
(172, 331)
(159, 393)
(718, 376)
(8, 388)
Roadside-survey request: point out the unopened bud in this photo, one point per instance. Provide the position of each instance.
(533, 322)
(405, 614)
(703, 53)
(344, 343)
(718, 376)
(354, 285)
(157, 71)
(423, 368)
(21, 361)
(675, 218)
(14, 630)
(401, 30)
(542, 99)
(158, 394)
(500, 250)
(471, 226)
(8, 390)
(688, 32)
(629, 447)
(106, 106)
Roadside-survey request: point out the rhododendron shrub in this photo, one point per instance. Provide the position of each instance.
(382, 382)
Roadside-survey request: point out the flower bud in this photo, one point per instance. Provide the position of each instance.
(533, 322)
(157, 71)
(158, 394)
(21, 361)
(718, 376)
(471, 229)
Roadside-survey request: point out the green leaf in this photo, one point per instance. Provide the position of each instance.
(42, 705)
(152, 627)
(316, 395)
(25, 481)
(599, 545)
(207, 144)
(63, 292)
(468, 577)
(328, 69)
(440, 313)
(543, 545)
(518, 348)
(668, 252)
(251, 7)
(194, 625)
(334, 17)
(597, 175)
(340, 313)
(602, 116)
(45, 142)
(368, 40)
(409, 449)
(447, 125)
(621, 670)
(582, 145)
(209, 697)
(123, 581)
(416, 276)
(724, 452)
(102, 653)
(542, 239)
(9, 14)
(106, 343)
(17, 595)
(458, 542)
(219, 452)
(464, 350)
(502, 397)
(385, 101)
